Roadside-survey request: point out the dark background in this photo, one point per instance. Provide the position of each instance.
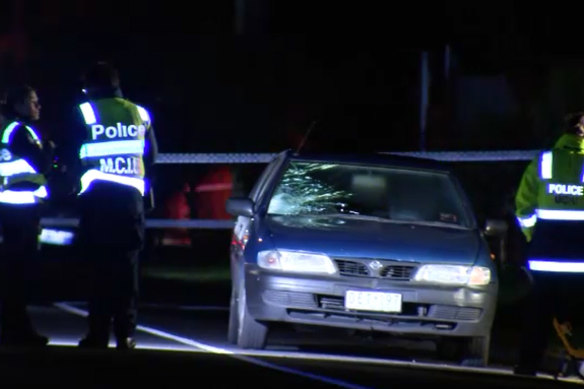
(249, 75)
(253, 75)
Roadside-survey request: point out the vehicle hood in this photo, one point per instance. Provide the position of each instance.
(354, 238)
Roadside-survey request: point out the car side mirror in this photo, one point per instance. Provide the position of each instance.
(239, 206)
(496, 227)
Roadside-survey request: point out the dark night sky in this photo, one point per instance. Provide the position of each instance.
(351, 66)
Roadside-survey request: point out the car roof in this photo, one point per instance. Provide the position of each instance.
(382, 159)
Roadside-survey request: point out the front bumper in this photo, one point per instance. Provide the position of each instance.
(319, 300)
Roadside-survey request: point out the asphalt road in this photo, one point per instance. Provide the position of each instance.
(182, 338)
(180, 345)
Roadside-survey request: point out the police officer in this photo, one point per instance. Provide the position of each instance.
(550, 210)
(116, 148)
(25, 162)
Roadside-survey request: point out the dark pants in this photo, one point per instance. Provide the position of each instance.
(553, 294)
(20, 231)
(114, 292)
(111, 235)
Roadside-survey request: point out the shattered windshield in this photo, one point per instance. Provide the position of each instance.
(309, 188)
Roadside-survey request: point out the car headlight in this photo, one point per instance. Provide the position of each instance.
(454, 274)
(295, 261)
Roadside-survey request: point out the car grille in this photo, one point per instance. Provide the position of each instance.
(436, 312)
(394, 270)
(350, 268)
(397, 272)
(454, 313)
(284, 298)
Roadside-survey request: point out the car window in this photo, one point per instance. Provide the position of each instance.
(308, 188)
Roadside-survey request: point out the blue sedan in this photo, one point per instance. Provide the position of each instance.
(371, 243)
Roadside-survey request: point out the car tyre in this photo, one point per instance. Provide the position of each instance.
(477, 351)
(473, 351)
(250, 333)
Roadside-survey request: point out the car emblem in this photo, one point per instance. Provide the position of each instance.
(375, 265)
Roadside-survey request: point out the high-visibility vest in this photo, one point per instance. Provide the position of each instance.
(558, 192)
(115, 142)
(15, 169)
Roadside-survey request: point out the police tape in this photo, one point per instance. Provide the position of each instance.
(453, 156)
(472, 156)
(188, 158)
(150, 223)
(210, 158)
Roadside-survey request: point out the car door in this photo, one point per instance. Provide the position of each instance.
(243, 224)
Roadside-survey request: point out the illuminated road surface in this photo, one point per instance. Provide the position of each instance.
(198, 333)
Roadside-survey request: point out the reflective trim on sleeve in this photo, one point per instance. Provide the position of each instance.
(41, 192)
(555, 214)
(545, 167)
(88, 113)
(118, 147)
(527, 221)
(144, 115)
(555, 266)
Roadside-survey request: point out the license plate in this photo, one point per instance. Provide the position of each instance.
(373, 301)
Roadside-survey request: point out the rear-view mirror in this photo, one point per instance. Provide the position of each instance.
(239, 206)
(496, 227)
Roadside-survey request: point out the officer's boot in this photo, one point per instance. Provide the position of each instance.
(127, 343)
(93, 341)
(124, 329)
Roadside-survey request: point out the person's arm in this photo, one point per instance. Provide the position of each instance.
(39, 156)
(75, 139)
(151, 150)
(526, 199)
(150, 155)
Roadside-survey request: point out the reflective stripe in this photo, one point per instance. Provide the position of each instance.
(23, 197)
(88, 113)
(57, 237)
(19, 166)
(554, 214)
(527, 221)
(93, 175)
(545, 168)
(118, 147)
(144, 115)
(41, 192)
(8, 132)
(16, 197)
(554, 266)
(213, 187)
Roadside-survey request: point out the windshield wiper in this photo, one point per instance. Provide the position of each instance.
(435, 224)
(358, 216)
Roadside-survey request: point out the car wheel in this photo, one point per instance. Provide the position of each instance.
(472, 351)
(232, 328)
(250, 333)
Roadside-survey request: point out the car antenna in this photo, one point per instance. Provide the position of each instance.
(305, 137)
